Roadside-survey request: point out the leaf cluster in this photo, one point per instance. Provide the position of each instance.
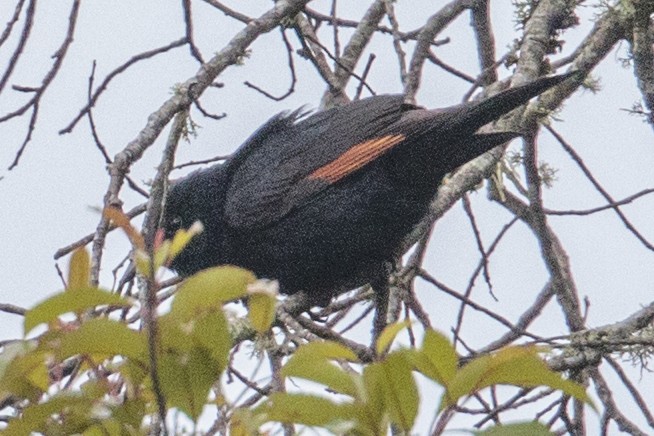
(384, 393)
(90, 372)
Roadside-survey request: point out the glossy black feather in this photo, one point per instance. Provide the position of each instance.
(300, 203)
(269, 181)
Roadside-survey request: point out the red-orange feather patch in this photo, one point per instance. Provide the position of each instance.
(355, 158)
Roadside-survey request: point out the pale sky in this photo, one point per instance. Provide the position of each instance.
(45, 203)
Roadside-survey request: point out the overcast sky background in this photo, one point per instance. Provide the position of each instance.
(44, 202)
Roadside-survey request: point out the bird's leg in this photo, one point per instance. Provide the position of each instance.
(381, 288)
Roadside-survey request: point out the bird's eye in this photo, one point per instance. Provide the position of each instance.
(176, 223)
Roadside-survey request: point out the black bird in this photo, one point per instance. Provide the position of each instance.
(322, 203)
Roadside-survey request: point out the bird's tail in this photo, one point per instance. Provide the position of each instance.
(452, 135)
(476, 114)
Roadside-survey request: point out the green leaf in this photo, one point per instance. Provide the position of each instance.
(14, 350)
(517, 429)
(79, 272)
(306, 409)
(321, 370)
(400, 390)
(23, 371)
(244, 423)
(194, 353)
(313, 362)
(372, 412)
(210, 289)
(261, 310)
(211, 333)
(108, 427)
(238, 427)
(436, 359)
(388, 335)
(187, 378)
(208, 330)
(103, 338)
(183, 237)
(327, 349)
(161, 254)
(518, 366)
(130, 413)
(36, 418)
(70, 302)
(134, 373)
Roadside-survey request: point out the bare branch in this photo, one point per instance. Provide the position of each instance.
(136, 211)
(435, 24)
(188, 21)
(354, 50)
(612, 205)
(188, 92)
(611, 410)
(122, 68)
(229, 12)
(27, 29)
(11, 308)
(291, 67)
(589, 175)
(59, 57)
(485, 41)
(12, 21)
(642, 50)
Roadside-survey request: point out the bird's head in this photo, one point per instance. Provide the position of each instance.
(197, 197)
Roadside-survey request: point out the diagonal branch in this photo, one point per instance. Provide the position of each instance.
(188, 92)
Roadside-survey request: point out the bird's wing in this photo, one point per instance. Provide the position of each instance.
(287, 162)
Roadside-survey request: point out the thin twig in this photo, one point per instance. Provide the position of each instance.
(589, 175)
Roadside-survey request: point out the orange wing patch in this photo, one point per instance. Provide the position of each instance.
(355, 158)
